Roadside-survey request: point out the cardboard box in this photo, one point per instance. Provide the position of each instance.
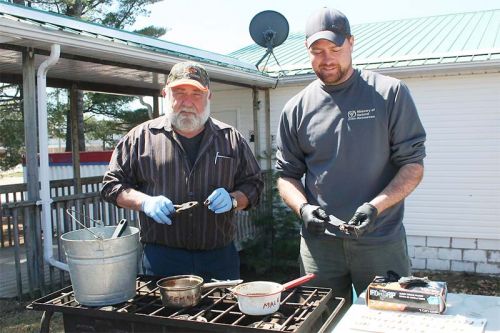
(430, 298)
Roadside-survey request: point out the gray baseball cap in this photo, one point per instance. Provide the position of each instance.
(329, 24)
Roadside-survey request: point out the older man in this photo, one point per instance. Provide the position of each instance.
(180, 157)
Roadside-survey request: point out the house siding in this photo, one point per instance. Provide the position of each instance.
(230, 98)
(456, 207)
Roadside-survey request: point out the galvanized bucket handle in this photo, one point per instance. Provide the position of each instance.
(70, 212)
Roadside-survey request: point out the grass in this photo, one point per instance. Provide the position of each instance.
(15, 318)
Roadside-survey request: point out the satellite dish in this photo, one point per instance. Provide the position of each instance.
(268, 29)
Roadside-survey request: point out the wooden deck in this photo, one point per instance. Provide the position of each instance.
(8, 274)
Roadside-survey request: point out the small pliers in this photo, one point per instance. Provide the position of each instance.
(185, 206)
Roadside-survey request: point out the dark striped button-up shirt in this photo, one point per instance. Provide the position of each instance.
(150, 159)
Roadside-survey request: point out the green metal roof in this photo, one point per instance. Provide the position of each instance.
(435, 40)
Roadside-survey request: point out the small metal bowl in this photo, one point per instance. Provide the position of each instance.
(180, 291)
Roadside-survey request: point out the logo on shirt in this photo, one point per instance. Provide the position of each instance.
(361, 114)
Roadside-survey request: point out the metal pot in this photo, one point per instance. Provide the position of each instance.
(260, 298)
(182, 291)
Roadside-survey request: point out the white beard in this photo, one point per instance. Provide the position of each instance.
(187, 119)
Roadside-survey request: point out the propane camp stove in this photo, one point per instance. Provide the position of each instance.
(302, 309)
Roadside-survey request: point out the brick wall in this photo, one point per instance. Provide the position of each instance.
(454, 254)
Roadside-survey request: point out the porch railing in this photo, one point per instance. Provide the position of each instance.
(13, 194)
(21, 235)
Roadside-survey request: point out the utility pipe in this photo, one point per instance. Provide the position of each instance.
(148, 106)
(45, 199)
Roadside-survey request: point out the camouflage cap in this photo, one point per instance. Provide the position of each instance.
(188, 72)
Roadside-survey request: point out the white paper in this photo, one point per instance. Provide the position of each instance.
(408, 322)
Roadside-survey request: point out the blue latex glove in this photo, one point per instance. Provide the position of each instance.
(220, 201)
(158, 208)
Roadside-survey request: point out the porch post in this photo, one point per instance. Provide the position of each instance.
(75, 139)
(156, 107)
(32, 233)
(256, 107)
(267, 124)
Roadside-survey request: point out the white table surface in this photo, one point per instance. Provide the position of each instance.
(487, 307)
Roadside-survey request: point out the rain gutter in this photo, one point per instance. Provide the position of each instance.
(101, 42)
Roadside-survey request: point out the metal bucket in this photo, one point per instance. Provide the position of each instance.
(102, 270)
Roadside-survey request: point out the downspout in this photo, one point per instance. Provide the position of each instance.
(45, 199)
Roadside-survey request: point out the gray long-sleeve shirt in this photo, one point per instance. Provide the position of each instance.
(151, 159)
(350, 141)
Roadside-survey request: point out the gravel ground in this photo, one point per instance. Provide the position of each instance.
(466, 283)
(15, 318)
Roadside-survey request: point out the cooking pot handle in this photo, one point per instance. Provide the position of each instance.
(299, 281)
(70, 212)
(221, 284)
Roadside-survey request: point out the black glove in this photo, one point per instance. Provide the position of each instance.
(363, 219)
(314, 218)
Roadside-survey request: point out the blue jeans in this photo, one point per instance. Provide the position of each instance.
(221, 264)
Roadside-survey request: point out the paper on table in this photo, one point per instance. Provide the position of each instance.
(408, 322)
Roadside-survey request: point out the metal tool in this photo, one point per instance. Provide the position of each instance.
(348, 228)
(120, 228)
(185, 206)
(335, 221)
(341, 225)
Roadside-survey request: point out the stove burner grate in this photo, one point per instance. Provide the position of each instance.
(302, 309)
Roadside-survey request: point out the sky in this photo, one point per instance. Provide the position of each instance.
(221, 26)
